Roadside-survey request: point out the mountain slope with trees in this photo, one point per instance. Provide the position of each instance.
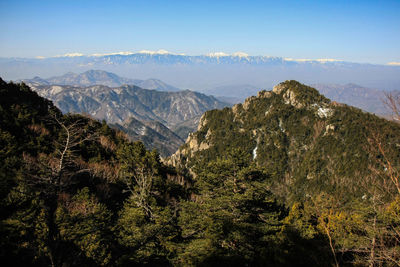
(334, 165)
(70, 187)
(75, 192)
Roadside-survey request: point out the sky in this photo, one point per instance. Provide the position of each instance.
(357, 31)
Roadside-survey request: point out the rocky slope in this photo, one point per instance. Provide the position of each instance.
(305, 142)
(367, 99)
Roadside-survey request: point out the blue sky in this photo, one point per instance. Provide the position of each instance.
(359, 31)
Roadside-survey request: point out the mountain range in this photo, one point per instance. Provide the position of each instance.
(141, 113)
(234, 93)
(362, 97)
(200, 72)
(117, 104)
(99, 77)
(163, 120)
(165, 57)
(368, 99)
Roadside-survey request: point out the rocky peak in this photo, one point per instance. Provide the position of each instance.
(264, 94)
(299, 95)
(202, 122)
(279, 88)
(259, 120)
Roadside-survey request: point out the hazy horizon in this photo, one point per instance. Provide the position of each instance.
(354, 31)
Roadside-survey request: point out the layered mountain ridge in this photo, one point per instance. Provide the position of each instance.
(118, 104)
(132, 108)
(368, 99)
(99, 77)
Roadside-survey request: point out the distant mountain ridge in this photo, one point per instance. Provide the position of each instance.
(352, 94)
(197, 72)
(100, 77)
(165, 57)
(233, 93)
(121, 103)
(371, 100)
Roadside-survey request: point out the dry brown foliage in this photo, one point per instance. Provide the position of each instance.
(107, 143)
(38, 129)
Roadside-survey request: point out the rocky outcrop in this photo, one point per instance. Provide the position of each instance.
(260, 122)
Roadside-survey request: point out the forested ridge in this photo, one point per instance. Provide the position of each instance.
(287, 186)
(334, 167)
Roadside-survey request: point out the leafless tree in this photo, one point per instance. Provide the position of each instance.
(383, 185)
(51, 175)
(392, 102)
(140, 187)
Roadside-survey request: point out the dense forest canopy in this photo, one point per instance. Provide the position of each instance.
(286, 179)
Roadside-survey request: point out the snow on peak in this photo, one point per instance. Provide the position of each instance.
(217, 54)
(159, 52)
(323, 60)
(240, 54)
(222, 54)
(320, 60)
(126, 53)
(71, 55)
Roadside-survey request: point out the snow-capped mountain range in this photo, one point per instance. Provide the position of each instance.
(166, 57)
(202, 72)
